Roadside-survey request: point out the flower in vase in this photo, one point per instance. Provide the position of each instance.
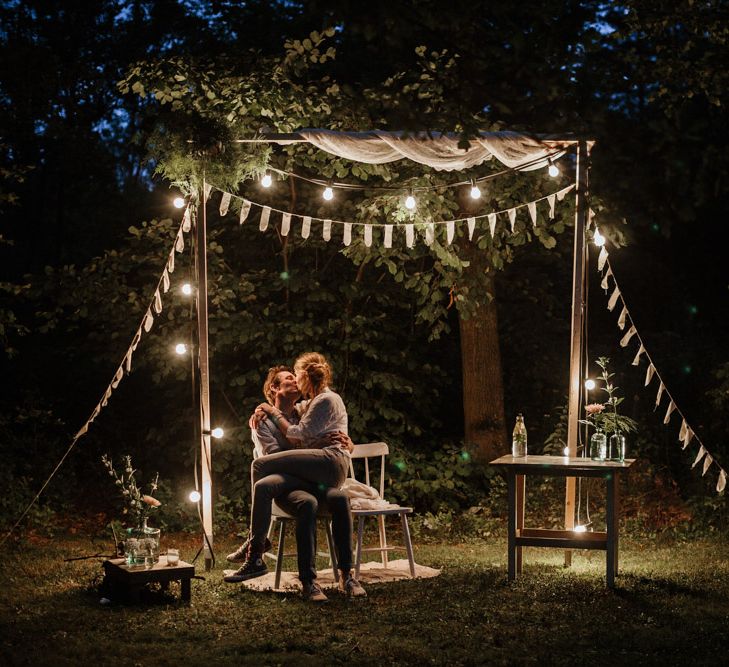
(594, 409)
(153, 502)
(138, 505)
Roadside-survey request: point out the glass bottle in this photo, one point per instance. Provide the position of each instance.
(616, 449)
(598, 446)
(519, 438)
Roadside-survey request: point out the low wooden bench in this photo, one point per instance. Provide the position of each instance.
(127, 581)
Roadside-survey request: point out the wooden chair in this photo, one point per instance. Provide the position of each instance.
(282, 519)
(366, 452)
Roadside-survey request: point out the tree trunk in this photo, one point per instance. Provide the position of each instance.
(483, 386)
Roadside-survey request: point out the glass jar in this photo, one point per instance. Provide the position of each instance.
(142, 545)
(598, 446)
(616, 447)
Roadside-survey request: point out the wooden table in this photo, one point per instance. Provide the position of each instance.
(517, 468)
(127, 582)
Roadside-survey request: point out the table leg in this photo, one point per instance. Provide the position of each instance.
(511, 531)
(616, 519)
(185, 586)
(610, 561)
(520, 493)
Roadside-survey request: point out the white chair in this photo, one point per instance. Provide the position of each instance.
(365, 452)
(282, 518)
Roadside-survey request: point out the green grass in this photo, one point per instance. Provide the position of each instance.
(671, 606)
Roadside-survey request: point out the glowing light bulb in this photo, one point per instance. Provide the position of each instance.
(589, 384)
(580, 529)
(553, 170)
(187, 289)
(475, 191)
(328, 193)
(217, 432)
(178, 202)
(181, 348)
(266, 181)
(598, 239)
(410, 202)
(566, 451)
(194, 496)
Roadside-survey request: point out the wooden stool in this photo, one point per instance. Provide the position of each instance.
(128, 581)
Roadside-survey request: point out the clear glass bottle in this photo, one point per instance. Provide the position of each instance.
(519, 438)
(616, 447)
(598, 446)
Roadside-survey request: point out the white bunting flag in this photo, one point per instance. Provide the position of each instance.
(722, 482)
(148, 321)
(683, 430)
(305, 226)
(450, 231)
(561, 194)
(659, 395)
(157, 302)
(409, 235)
(224, 204)
(180, 242)
(669, 411)
(699, 456)
(117, 377)
(128, 361)
(512, 218)
(613, 298)
(326, 230)
(207, 190)
(171, 263)
(186, 220)
(95, 413)
(636, 360)
(649, 374)
(347, 233)
(621, 318)
(602, 258)
(626, 338)
(368, 235)
(471, 226)
(532, 207)
(82, 431)
(551, 200)
(285, 224)
(245, 209)
(107, 396)
(165, 281)
(265, 215)
(388, 236)
(687, 438)
(708, 460)
(604, 283)
(136, 339)
(492, 223)
(429, 233)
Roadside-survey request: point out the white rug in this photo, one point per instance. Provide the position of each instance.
(370, 573)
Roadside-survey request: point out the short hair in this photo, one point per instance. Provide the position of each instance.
(317, 369)
(272, 381)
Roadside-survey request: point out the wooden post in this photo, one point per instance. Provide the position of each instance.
(578, 304)
(201, 265)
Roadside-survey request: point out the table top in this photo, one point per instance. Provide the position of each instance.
(161, 566)
(560, 463)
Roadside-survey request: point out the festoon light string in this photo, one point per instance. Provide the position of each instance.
(686, 434)
(428, 227)
(125, 367)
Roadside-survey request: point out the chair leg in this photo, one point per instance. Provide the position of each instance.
(358, 557)
(408, 543)
(332, 553)
(383, 540)
(279, 559)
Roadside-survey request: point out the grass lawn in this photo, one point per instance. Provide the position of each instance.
(671, 606)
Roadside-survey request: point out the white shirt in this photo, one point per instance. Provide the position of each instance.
(325, 414)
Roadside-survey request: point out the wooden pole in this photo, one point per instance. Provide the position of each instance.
(578, 304)
(203, 366)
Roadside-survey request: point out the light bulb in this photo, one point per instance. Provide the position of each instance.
(589, 384)
(194, 496)
(410, 202)
(181, 348)
(566, 451)
(475, 191)
(187, 289)
(178, 202)
(580, 529)
(598, 239)
(266, 181)
(328, 193)
(217, 432)
(553, 170)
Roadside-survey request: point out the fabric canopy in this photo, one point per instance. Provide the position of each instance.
(439, 151)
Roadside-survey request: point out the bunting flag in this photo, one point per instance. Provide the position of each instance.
(429, 233)
(224, 204)
(165, 281)
(245, 209)
(148, 320)
(409, 235)
(157, 302)
(128, 361)
(285, 224)
(180, 242)
(186, 220)
(492, 224)
(471, 227)
(512, 218)
(685, 434)
(551, 199)
(450, 231)
(305, 226)
(171, 263)
(388, 236)
(326, 230)
(117, 377)
(347, 233)
(265, 215)
(368, 235)
(532, 208)
(207, 189)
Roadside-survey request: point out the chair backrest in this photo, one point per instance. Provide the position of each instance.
(367, 451)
